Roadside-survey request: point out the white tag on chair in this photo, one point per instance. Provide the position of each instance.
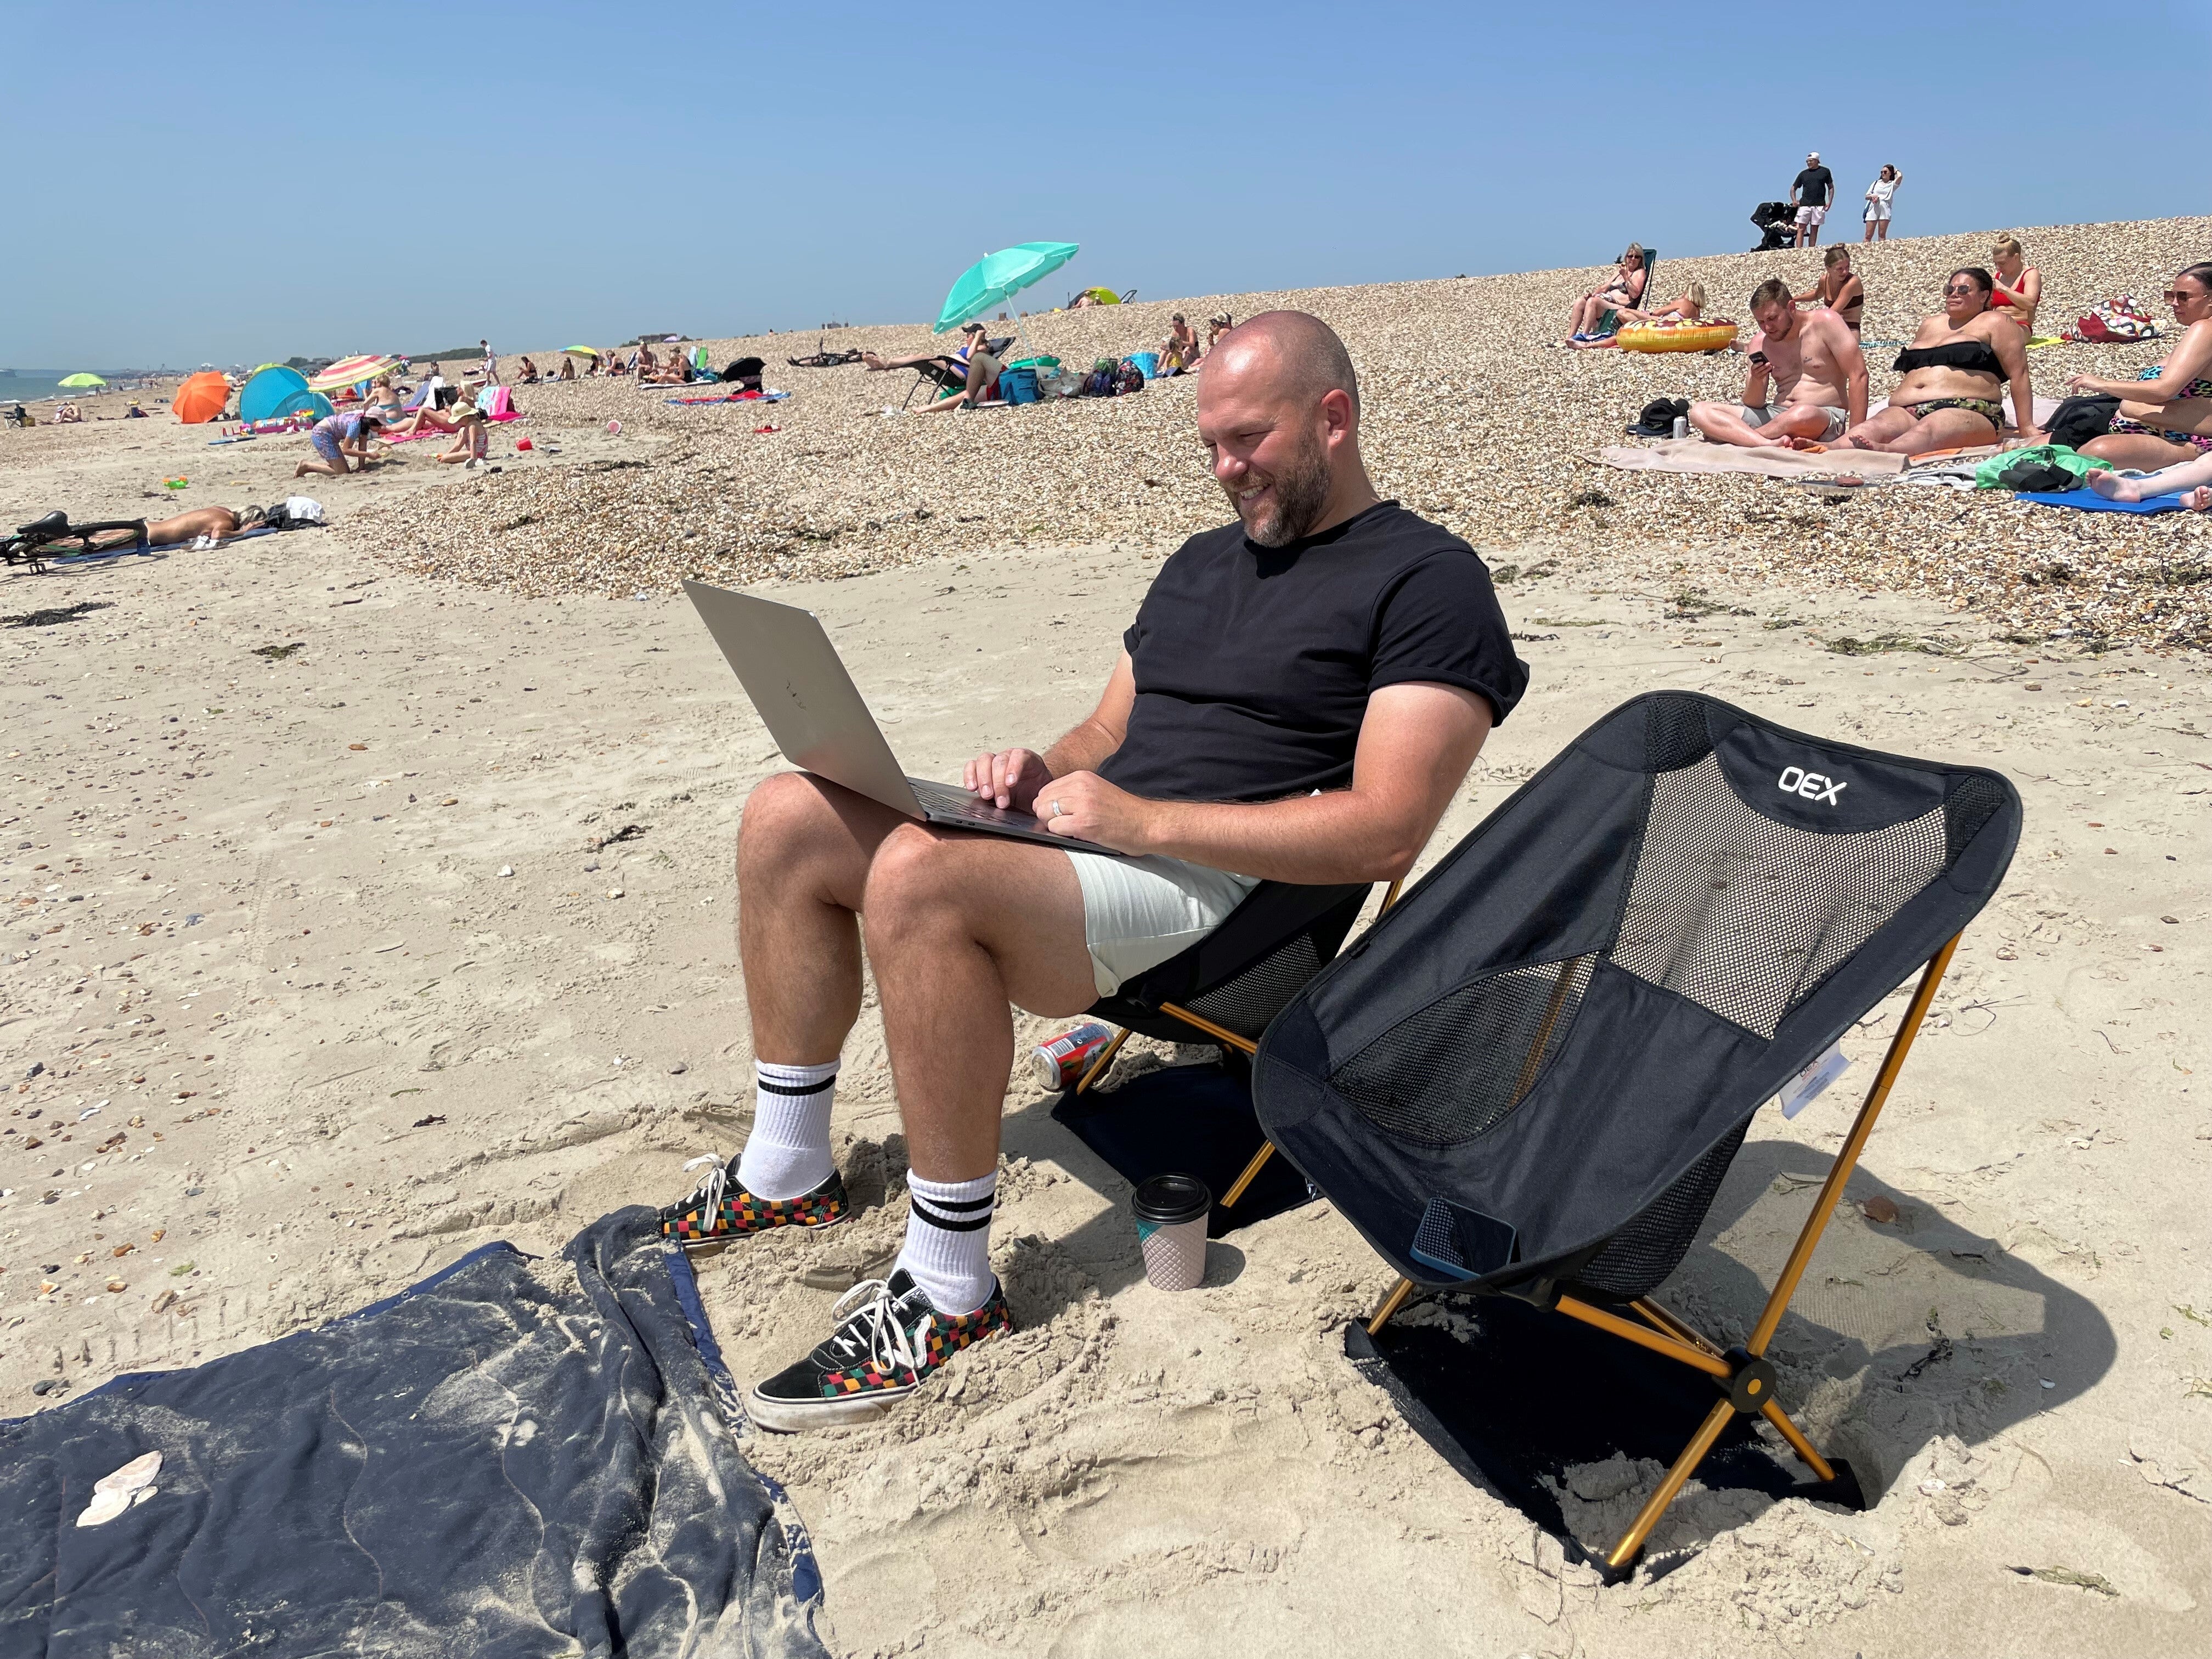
(1800, 1091)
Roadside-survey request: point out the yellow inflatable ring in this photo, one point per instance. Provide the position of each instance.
(1689, 337)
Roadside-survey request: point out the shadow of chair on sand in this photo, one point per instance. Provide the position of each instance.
(1902, 1331)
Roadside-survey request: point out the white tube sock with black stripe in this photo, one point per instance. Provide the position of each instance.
(948, 1240)
(788, 1151)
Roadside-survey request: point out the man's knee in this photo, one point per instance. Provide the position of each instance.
(915, 882)
(783, 812)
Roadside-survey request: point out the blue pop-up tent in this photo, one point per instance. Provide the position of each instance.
(275, 392)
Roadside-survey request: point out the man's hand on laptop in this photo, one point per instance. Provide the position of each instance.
(1010, 778)
(1084, 805)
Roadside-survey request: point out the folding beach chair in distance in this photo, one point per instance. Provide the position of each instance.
(1232, 982)
(947, 376)
(1531, 1075)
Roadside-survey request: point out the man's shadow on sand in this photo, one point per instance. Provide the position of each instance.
(1901, 1331)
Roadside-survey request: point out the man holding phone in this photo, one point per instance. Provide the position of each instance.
(1807, 383)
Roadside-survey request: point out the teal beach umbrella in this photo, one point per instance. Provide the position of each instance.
(997, 277)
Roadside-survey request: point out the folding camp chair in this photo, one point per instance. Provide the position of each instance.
(948, 376)
(1232, 982)
(1649, 300)
(1529, 1077)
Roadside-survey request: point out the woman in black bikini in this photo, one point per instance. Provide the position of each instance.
(1838, 288)
(1956, 372)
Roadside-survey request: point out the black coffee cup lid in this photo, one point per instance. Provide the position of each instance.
(1166, 1200)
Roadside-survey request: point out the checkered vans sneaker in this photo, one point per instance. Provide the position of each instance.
(720, 1209)
(888, 1338)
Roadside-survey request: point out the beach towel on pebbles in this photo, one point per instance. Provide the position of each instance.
(1696, 455)
(518, 1455)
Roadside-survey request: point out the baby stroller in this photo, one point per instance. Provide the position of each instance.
(1774, 221)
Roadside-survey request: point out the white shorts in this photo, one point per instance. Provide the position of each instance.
(1137, 913)
(1876, 212)
(1812, 216)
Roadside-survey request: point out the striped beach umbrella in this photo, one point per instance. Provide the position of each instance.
(582, 351)
(350, 371)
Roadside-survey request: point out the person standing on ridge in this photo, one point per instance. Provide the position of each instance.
(1810, 194)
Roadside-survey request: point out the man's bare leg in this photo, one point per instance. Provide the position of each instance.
(958, 926)
(1720, 423)
(803, 849)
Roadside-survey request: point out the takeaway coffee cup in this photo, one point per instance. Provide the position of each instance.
(1171, 1211)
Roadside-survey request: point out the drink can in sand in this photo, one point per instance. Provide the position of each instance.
(1061, 1063)
(1171, 1211)
(1681, 426)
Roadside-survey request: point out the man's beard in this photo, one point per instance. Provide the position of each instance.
(1300, 491)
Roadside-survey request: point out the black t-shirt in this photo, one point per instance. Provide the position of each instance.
(1254, 664)
(1813, 186)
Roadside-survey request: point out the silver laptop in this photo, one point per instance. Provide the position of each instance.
(814, 713)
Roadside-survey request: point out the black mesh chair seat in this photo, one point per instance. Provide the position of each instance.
(1532, 1074)
(1228, 986)
(1240, 976)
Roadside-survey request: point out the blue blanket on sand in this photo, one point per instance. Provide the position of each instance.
(2088, 501)
(515, 1457)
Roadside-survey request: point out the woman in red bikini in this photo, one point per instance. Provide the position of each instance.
(2018, 287)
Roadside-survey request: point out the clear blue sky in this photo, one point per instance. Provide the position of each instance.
(190, 182)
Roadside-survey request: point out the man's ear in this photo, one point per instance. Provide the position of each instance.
(1338, 416)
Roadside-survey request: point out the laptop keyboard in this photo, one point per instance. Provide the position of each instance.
(957, 803)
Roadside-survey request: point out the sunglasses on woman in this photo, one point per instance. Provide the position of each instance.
(2174, 296)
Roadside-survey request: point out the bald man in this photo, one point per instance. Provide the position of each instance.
(1297, 700)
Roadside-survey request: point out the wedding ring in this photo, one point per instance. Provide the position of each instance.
(1057, 812)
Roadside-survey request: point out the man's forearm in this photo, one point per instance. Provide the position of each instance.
(1316, 840)
(1085, 748)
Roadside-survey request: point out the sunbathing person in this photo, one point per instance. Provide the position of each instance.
(972, 339)
(530, 376)
(68, 415)
(469, 430)
(1839, 289)
(980, 371)
(1686, 307)
(1808, 361)
(2190, 480)
(1956, 371)
(567, 368)
(1298, 699)
(1180, 350)
(2016, 288)
(218, 522)
(2166, 417)
(427, 417)
(1596, 312)
(335, 438)
(384, 402)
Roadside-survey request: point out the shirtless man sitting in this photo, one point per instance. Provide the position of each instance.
(1810, 360)
(1956, 370)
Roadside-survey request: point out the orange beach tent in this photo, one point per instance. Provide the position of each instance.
(201, 398)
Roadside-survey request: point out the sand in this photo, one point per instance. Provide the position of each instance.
(421, 934)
